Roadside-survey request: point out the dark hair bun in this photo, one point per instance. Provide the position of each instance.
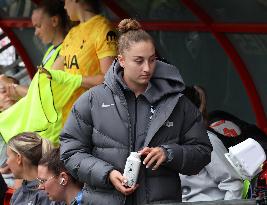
(128, 25)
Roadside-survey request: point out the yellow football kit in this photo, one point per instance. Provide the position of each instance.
(82, 49)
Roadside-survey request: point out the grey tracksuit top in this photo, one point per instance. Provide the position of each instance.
(28, 194)
(108, 122)
(216, 181)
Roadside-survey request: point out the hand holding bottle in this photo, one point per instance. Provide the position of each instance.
(118, 181)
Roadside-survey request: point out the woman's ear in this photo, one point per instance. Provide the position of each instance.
(64, 178)
(19, 159)
(55, 21)
(121, 60)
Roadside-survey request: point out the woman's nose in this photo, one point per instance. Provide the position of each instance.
(146, 66)
(41, 187)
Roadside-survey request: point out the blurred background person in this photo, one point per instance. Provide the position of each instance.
(89, 48)
(6, 102)
(5, 99)
(51, 24)
(218, 180)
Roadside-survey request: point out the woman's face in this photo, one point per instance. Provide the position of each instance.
(51, 184)
(71, 8)
(45, 26)
(139, 64)
(14, 162)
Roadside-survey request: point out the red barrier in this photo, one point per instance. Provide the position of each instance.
(8, 196)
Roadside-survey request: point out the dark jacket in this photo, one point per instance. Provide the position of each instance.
(29, 194)
(104, 127)
(3, 189)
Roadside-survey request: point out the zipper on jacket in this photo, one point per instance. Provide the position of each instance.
(135, 122)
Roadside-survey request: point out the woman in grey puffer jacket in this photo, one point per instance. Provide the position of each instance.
(139, 107)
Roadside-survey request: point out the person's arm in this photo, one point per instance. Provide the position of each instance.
(88, 81)
(105, 52)
(222, 172)
(194, 150)
(58, 64)
(91, 81)
(191, 154)
(76, 146)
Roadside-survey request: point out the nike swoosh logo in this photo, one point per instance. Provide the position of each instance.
(106, 105)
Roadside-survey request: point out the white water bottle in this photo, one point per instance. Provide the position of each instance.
(131, 169)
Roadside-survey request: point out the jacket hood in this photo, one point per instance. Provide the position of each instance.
(166, 80)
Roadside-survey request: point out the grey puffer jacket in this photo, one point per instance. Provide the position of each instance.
(101, 132)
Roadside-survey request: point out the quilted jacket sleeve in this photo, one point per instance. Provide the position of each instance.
(194, 150)
(76, 146)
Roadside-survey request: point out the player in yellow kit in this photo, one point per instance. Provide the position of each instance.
(88, 49)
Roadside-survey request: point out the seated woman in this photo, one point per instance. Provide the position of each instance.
(5, 100)
(217, 180)
(24, 152)
(57, 181)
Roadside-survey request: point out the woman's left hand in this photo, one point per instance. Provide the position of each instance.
(154, 156)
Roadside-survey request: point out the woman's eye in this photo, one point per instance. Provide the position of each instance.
(138, 61)
(152, 60)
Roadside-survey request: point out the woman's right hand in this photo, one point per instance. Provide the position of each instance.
(5, 101)
(43, 70)
(116, 178)
(4, 80)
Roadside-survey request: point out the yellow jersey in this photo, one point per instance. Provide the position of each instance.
(82, 49)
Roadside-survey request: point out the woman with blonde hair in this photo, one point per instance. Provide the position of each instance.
(24, 152)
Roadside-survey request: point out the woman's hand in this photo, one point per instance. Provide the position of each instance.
(5, 100)
(4, 80)
(153, 156)
(5, 170)
(12, 92)
(43, 70)
(118, 181)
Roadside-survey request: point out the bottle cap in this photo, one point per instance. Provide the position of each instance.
(135, 154)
